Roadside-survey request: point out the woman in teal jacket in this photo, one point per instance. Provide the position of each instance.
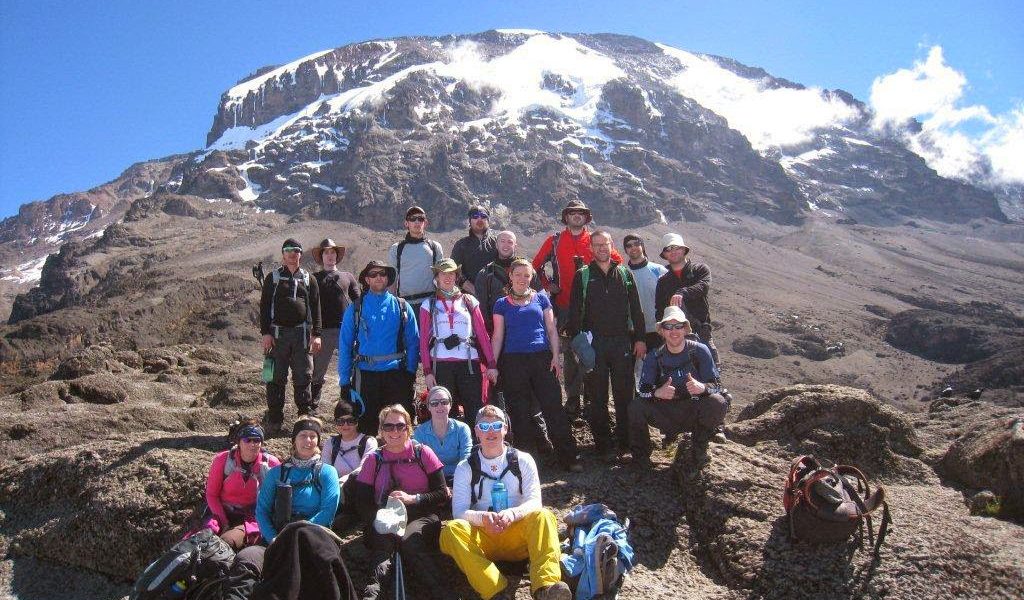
(315, 491)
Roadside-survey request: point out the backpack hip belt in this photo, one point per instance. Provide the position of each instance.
(411, 297)
(379, 358)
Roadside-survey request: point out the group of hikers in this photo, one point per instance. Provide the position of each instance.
(493, 332)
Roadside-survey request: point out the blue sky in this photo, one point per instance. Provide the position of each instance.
(88, 88)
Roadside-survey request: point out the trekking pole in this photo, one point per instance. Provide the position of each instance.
(399, 574)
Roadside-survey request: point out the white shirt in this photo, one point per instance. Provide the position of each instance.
(348, 462)
(451, 316)
(521, 504)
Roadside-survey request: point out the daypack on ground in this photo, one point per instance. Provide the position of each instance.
(597, 555)
(182, 569)
(829, 504)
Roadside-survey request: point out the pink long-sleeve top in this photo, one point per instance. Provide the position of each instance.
(234, 490)
(461, 316)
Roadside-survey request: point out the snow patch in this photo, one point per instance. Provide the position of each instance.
(237, 94)
(29, 272)
(768, 117)
(856, 142)
(520, 31)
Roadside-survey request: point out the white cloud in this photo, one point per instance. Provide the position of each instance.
(769, 117)
(932, 92)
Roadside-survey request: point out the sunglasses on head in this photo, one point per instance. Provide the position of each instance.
(493, 426)
(674, 326)
(479, 215)
(375, 274)
(345, 421)
(251, 440)
(416, 219)
(393, 426)
(435, 403)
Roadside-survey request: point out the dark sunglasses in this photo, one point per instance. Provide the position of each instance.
(416, 219)
(251, 440)
(393, 426)
(495, 426)
(479, 215)
(675, 326)
(634, 245)
(577, 212)
(346, 421)
(375, 274)
(435, 403)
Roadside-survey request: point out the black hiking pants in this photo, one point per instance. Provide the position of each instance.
(703, 331)
(420, 554)
(291, 352)
(379, 389)
(614, 360)
(699, 415)
(525, 376)
(466, 387)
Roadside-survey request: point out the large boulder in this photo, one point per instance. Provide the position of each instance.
(990, 456)
(934, 550)
(110, 507)
(839, 423)
(948, 338)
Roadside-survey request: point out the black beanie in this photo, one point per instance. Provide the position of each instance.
(291, 243)
(306, 424)
(630, 237)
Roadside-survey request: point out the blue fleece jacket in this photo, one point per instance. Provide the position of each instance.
(378, 333)
(312, 504)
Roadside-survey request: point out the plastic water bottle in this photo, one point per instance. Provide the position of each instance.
(268, 369)
(499, 497)
(179, 589)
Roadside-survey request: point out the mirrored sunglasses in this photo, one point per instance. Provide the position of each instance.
(494, 426)
(393, 426)
(436, 403)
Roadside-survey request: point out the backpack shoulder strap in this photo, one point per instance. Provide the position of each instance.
(335, 447)
(475, 473)
(434, 247)
(512, 458)
(585, 281)
(229, 463)
(398, 265)
(362, 445)
(554, 256)
(261, 473)
(402, 318)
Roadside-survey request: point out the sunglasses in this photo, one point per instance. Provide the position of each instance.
(494, 426)
(634, 245)
(672, 248)
(346, 421)
(675, 326)
(393, 426)
(479, 215)
(577, 212)
(436, 403)
(376, 274)
(416, 219)
(248, 440)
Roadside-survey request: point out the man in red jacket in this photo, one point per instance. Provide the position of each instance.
(567, 251)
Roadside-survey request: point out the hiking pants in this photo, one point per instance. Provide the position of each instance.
(698, 415)
(379, 389)
(322, 360)
(291, 351)
(614, 359)
(528, 375)
(703, 331)
(419, 555)
(466, 387)
(534, 537)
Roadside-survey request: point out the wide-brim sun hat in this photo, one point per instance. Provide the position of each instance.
(379, 264)
(576, 205)
(318, 251)
(672, 239)
(673, 313)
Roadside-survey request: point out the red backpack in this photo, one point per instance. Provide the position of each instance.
(829, 504)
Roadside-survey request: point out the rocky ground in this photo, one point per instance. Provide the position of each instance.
(121, 372)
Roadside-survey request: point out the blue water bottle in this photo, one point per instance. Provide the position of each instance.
(499, 497)
(178, 589)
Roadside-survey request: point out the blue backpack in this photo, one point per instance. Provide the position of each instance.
(597, 555)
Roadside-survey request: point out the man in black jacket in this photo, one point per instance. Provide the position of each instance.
(605, 302)
(290, 324)
(476, 250)
(686, 285)
(337, 290)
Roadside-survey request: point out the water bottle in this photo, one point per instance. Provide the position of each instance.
(499, 497)
(268, 369)
(178, 589)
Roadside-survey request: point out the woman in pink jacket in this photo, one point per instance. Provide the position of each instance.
(231, 487)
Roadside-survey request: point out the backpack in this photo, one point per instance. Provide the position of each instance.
(470, 303)
(691, 358)
(336, 447)
(196, 560)
(417, 458)
(827, 505)
(627, 280)
(477, 473)
(398, 260)
(597, 555)
(276, 278)
(357, 317)
(230, 466)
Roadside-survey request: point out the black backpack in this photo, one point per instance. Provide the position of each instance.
(477, 473)
(336, 447)
(181, 571)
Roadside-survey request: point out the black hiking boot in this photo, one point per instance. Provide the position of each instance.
(315, 390)
(380, 567)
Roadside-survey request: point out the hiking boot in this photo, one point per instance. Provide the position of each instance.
(271, 427)
(700, 454)
(314, 391)
(719, 437)
(509, 593)
(572, 408)
(558, 591)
